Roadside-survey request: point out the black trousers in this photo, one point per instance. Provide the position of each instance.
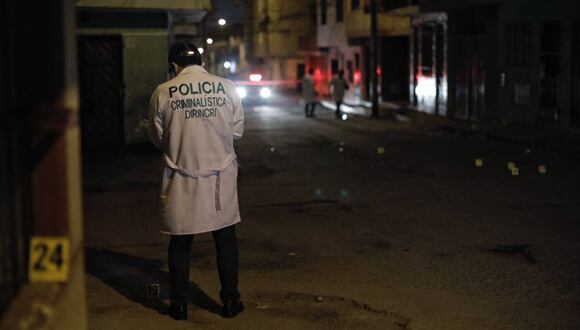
(338, 103)
(226, 244)
(309, 109)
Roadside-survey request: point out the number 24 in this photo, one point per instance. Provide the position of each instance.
(55, 257)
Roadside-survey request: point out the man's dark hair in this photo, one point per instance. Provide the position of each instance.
(311, 71)
(341, 73)
(184, 55)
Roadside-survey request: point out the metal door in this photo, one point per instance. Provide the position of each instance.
(550, 70)
(470, 76)
(101, 89)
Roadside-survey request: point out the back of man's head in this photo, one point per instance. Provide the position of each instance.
(184, 55)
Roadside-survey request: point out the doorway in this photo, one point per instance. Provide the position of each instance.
(550, 72)
(470, 76)
(100, 69)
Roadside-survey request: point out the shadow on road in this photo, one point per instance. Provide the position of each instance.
(131, 275)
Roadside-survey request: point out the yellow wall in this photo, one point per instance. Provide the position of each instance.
(278, 40)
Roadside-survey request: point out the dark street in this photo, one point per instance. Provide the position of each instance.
(304, 164)
(356, 224)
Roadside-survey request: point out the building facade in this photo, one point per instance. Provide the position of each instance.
(122, 54)
(344, 40)
(503, 61)
(280, 39)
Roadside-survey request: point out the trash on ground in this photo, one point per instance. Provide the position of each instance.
(515, 171)
(511, 165)
(319, 299)
(478, 162)
(542, 169)
(380, 150)
(272, 149)
(291, 254)
(261, 307)
(341, 149)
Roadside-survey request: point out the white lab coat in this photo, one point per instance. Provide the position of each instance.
(308, 91)
(194, 119)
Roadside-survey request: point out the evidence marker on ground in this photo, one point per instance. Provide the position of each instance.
(153, 291)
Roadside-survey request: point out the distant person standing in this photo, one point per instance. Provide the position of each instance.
(309, 93)
(194, 119)
(337, 86)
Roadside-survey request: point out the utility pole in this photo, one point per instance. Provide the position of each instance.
(374, 59)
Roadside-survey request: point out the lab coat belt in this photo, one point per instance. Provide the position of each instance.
(200, 173)
(218, 203)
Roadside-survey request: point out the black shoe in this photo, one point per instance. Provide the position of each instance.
(232, 308)
(178, 311)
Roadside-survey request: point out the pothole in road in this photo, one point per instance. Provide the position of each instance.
(324, 312)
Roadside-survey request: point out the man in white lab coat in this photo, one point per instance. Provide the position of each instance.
(309, 93)
(194, 119)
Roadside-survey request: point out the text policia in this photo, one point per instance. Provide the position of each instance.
(201, 106)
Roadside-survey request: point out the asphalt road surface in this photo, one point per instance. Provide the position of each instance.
(354, 224)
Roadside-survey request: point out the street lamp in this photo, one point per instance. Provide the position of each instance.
(227, 64)
(221, 21)
(200, 50)
(209, 41)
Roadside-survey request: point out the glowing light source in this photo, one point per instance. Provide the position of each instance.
(209, 41)
(317, 74)
(200, 50)
(255, 77)
(265, 92)
(344, 116)
(221, 21)
(227, 64)
(426, 87)
(242, 92)
(357, 77)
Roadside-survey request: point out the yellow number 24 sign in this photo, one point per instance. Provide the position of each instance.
(49, 259)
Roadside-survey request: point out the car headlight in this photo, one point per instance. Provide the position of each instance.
(242, 92)
(265, 92)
